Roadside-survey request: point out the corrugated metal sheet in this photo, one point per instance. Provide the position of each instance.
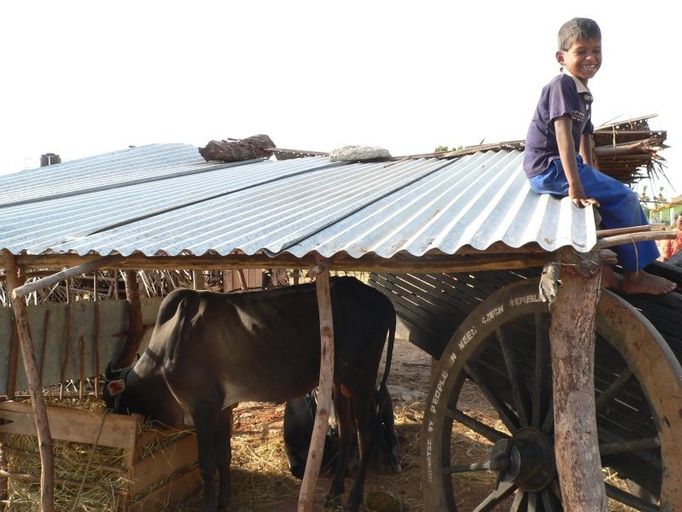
(168, 201)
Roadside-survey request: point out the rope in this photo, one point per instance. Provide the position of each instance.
(87, 466)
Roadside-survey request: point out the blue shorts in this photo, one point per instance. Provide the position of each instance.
(618, 206)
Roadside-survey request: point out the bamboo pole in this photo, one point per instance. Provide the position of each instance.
(66, 274)
(198, 281)
(572, 341)
(34, 386)
(227, 274)
(464, 261)
(324, 396)
(631, 238)
(242, 280)
(95, 334)
(13, 361)
(135, 327)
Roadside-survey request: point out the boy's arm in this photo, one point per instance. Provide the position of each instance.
(564, 138)
(586, 149)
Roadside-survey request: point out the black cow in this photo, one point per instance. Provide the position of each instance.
(214, 350)
(299, 417)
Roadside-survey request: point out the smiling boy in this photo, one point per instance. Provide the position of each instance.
(558, 155)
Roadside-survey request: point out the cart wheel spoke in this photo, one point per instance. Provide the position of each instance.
(548, 422)
(518, 501)
(610, 393)
(513, 374)
(550, 501)
(506, 414)
(490, 433)
(466, 468)
(630, 500)
(503, 490)
(542, 370)
(532, 502)
(635, 445)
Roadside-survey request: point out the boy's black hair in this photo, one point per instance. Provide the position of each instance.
(577, 29)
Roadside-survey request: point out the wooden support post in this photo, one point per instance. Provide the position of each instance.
(227, 275)
(324, 396)
(34, 386)
(198, 281)
(572, 340)
(95, 335)
(242, 280)
(135, 327)
(13, 361)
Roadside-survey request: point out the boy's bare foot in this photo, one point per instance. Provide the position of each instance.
(609, 279)
(643, 282)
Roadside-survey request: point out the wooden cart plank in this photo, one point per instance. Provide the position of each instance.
(75, 425)
(172, 492)
(162, 464)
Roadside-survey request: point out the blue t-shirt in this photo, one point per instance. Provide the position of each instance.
(559, 98)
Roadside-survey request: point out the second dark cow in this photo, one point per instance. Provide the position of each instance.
(299, 417)
(210, 351)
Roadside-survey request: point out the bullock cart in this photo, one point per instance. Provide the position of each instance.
(489, 332)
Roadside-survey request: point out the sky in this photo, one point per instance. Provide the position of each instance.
(81, 78)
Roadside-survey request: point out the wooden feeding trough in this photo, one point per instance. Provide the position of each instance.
(104, 462)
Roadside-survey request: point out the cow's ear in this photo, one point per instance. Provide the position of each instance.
(116, 387)
(108, 373)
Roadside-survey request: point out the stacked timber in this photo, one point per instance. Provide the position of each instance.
(629, 150)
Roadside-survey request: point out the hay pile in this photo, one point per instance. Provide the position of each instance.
(87, 478)
(99, 472)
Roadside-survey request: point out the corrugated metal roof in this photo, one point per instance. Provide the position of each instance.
(165, 200)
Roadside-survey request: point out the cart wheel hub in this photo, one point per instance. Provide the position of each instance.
(527, 459)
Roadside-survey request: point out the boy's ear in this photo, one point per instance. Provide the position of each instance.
(560, 57)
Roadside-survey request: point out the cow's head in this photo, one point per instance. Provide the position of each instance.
(114, 388)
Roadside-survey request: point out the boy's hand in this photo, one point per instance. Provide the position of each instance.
(577, 195)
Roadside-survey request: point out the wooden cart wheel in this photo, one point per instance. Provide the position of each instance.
(487, 439)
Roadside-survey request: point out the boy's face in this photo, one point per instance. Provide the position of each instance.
(582, 59)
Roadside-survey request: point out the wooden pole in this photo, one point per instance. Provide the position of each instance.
(34, 386)
(198, 281)
(13, 361)
(324, 396)
(572, 340)
(135, 327)
(95, 334)
(242, 280)
(67, 274)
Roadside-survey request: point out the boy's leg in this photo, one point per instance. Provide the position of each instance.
(619, 207)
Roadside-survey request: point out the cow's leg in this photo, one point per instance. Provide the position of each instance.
(205, 416)
(224, 455)
(346, 431)
(367, 423)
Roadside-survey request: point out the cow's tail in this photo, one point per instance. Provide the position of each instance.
(389, 350)
(182, 317)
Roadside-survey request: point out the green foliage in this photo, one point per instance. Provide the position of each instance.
(444, 149)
